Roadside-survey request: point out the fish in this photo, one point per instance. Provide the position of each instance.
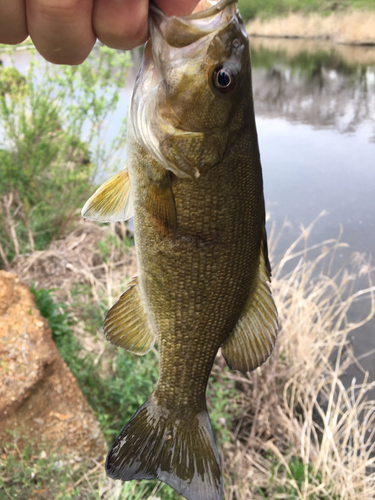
(193, 183)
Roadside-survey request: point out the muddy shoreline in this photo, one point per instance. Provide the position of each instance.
(348, 28)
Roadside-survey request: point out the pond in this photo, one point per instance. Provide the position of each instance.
(315, 114)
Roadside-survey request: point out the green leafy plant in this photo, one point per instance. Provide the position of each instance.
(53, 124)
(25, 475)
(253, 8)
(55, 313)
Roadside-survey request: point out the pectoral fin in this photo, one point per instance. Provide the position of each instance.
(126, 324)
(254, 336)
(112, 202)
(160, 205)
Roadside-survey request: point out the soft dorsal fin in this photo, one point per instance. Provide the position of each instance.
(112, 202)
(254, 336)
(126, 324)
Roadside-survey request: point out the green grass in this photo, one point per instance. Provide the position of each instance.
(55, 313)
(116, 397)
(222, 402)
(253, 8)
(24, 475)
(296, 474)
(27, 476)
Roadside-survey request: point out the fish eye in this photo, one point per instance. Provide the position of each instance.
(223, 79)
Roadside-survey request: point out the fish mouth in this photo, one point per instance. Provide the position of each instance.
(208, 17)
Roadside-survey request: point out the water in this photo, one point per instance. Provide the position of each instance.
(315, 113)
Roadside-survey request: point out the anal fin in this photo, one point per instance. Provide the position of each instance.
(254, 336)
(126, 324)
(112, 202)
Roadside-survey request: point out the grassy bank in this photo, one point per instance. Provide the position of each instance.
(354, 28)
(288, 430)
(53, 124)
(258, 8)
(349, 22)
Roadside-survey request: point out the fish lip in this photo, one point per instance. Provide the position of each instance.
(202, 14)
(210, 11)
(195, 26)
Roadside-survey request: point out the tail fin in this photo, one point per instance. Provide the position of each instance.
(178, 451)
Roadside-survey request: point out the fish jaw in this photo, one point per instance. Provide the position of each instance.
(176, 39)
(181, 32)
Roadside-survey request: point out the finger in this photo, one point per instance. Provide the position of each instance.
(120, 24)
(13, 28)
(177, 8)
(61, 29)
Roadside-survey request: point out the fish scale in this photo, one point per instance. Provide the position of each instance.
(194, 184)
(233, 258)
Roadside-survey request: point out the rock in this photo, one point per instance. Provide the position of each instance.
(39, 396)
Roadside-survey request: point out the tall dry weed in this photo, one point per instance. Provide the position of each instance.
(301, 433)
(354, 27)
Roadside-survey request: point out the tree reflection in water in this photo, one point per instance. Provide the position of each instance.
(318, 83)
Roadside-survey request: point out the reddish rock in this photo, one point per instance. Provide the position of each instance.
(39, 396)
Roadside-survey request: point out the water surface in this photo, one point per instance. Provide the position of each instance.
(315, 113)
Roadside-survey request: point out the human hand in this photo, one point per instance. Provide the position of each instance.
(64, 31)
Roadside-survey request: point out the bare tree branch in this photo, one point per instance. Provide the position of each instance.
(7, 202)
(4, 258)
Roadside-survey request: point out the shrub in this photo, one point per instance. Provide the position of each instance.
(52, 129)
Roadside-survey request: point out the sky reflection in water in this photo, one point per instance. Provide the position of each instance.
(315, 109)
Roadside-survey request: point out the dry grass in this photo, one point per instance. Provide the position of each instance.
(353, 27)
(90, 254)
(294, 411)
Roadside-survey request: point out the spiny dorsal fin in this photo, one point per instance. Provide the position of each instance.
(112, 202)
(254, 336)
(126, 324)
(160, 204)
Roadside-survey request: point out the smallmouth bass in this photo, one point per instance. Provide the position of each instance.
(194, 184)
